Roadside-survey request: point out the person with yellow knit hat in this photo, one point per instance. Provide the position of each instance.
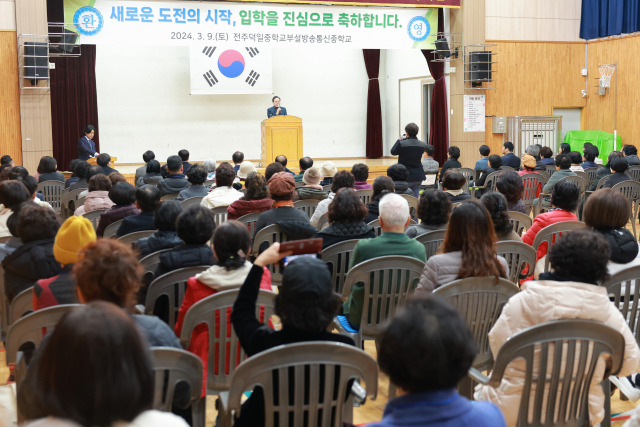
(73, 235)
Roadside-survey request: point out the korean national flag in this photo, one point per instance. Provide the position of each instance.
(220, 69)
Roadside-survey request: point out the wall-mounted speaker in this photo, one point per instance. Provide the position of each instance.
(479, 67)
(36, 61)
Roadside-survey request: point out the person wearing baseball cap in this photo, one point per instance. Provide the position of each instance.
(306, 305)
(74, 234)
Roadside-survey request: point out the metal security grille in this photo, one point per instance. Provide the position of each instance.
(530, 130)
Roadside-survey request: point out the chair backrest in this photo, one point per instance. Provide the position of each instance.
(135, 236)
(601, 182)
(388, 282)
(225, 350)
(376, 226)
(469, 174)
(413, 205)
(94, 217)
(631, 191)
(552, 394)
(112, 229)
(506, 168)
(21, 305)
(551, 233)
(431, 241)
(172, 366)
(209, 183)
(491, 180)
(191, 201)
(583, 175)
(250, 220)
(518, 255)
(52, 192)
(152, 180)
(592, 173)
(634, 172)
(150, 264)
(624, 291)
(551, 169)
(520, 221)
(265, 237)
(172, 286)
(220, 214)
(326, 188)
(533, 183)
(545, 176)
(479, 300)
(5, 308)
(307, 206)
(365, 195)
(32, 328)
(312, 367)
(68, 202)
(323, 221)
(299, 184)
(170, 196)
(579, 181)
(337, 257)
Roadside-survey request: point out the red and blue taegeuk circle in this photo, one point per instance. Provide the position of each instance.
(231, 63)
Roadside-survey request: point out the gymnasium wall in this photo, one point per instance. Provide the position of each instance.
(10, 139)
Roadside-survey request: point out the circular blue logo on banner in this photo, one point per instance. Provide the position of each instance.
(88, 21)
(419, 28)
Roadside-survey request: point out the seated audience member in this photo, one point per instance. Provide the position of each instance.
(123, 195)
(399, 174)
(81, 170)
(196, 176)
(311, 188)
(569, 291)
(283, 161)
(426, 349)
(467, 251)
(237, 158)
(32, 186)
(429, 164)
(184, 156)
(195, 227)
(306, 304)
(72, 168)
(508, 158)
(272, 169)
(142, 170)
(175, 182)
(564, 200)
(346, 219)
(37, 227)
(256, 199)
(394, 217)
(104, 160)
(16, 172)
(360, 173)
(153, 175)
(631, 154)
(607, 212)
(381, 185)
(534, 151)
(434, 209)
(116, 177)
(576, 161)
(48, 170)
(93, 370)
(98, 197)
(452, 162)
(342, 179)
(12, 225)
(563, 169)
(618, 168)
(293, 222)
(305, 163)
(7, 160)
(74, 234)
(510, 185)
(328, 170)
(453, 185)
(223, 194)
(482, 164)
(606, 169)
(564, 148)
(495, 162)
(164, 221)
(528, 165)
(93, 171)
(590, 152)
(497, 206)
(246, 168)
(210, 166)
(546, 156)
(147, 200)
(231, 245)
(12, 194)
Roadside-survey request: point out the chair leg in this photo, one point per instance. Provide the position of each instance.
(198, 412)
(606, 386)
(466, 387)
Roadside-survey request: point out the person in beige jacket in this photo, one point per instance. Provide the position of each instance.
(570, 291)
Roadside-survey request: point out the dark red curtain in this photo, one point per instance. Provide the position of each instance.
(439, 129)
(74, 101)
(374, 111)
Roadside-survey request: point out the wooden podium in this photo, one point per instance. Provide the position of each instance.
(281, 135)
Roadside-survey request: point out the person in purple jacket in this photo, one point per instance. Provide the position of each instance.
(426, 349)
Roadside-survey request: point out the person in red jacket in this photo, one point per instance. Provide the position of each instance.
(231, 243)
(564, 200)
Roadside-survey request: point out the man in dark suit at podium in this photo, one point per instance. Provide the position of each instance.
(86, 146)
(276, 110)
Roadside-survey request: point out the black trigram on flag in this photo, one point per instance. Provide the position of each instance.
(252, 51)
(208, 50)
(252, 78)
(210, 78)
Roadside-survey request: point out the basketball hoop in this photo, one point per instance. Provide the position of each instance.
(606, 72)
